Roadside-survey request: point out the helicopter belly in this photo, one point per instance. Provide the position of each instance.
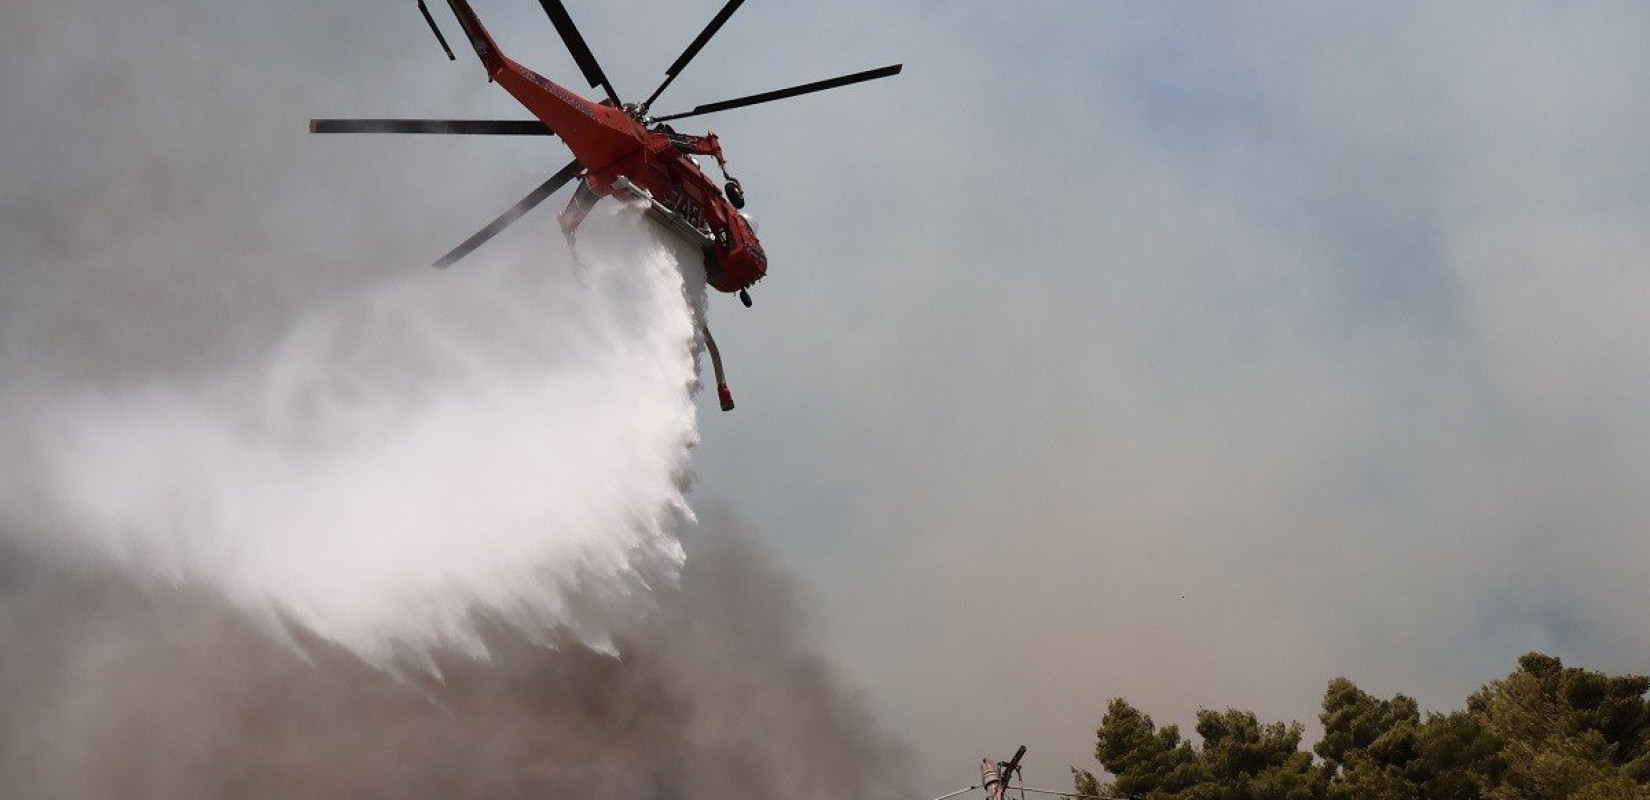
(674, 221)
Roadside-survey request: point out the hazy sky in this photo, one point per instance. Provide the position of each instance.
(1190, 352)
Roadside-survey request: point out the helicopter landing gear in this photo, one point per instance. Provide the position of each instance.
(736, 193)
(745, 297)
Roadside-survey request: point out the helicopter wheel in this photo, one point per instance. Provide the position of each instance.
(736, 194)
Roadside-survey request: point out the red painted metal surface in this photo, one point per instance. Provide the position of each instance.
(611, 144)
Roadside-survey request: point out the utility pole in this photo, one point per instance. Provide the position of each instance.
(994, 778)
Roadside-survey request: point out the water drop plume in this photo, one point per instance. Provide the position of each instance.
(403, 462)
(168, 694)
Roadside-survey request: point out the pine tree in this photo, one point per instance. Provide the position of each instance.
(1545, 732)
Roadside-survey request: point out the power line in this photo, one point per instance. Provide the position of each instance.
(959, 791)
(995, 778)
(1069, 794)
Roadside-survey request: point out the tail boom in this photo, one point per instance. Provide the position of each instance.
(598, 134)
(482, 41)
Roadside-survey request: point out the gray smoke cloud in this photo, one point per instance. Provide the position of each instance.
(218, 371)
(1198, 353)
(113, 691)
(403, 458)
(285, 514)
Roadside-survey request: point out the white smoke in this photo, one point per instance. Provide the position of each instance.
(488, 441)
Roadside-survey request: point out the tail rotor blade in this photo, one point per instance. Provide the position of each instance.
(472, 127)
(516, 211)
(781, 94)
(437, 31)
(575, 45)
(693, 49)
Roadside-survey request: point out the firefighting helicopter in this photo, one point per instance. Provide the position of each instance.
(619, 150)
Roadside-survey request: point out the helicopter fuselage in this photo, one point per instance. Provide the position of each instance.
(620, 150)
(623, 157)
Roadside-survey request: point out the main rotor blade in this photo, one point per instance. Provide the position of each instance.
(527, 203)
(781, 94)
(575, 45)
(494, 127)
(693, 49)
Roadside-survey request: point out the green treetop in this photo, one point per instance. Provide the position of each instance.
(1545, 732)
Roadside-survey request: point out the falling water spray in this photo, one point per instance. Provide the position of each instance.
(473, 442)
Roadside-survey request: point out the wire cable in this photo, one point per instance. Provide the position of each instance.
(1070, 794)
(1024, 789)
(959, 791)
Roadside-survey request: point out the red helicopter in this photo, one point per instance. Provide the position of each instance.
(619, 150)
